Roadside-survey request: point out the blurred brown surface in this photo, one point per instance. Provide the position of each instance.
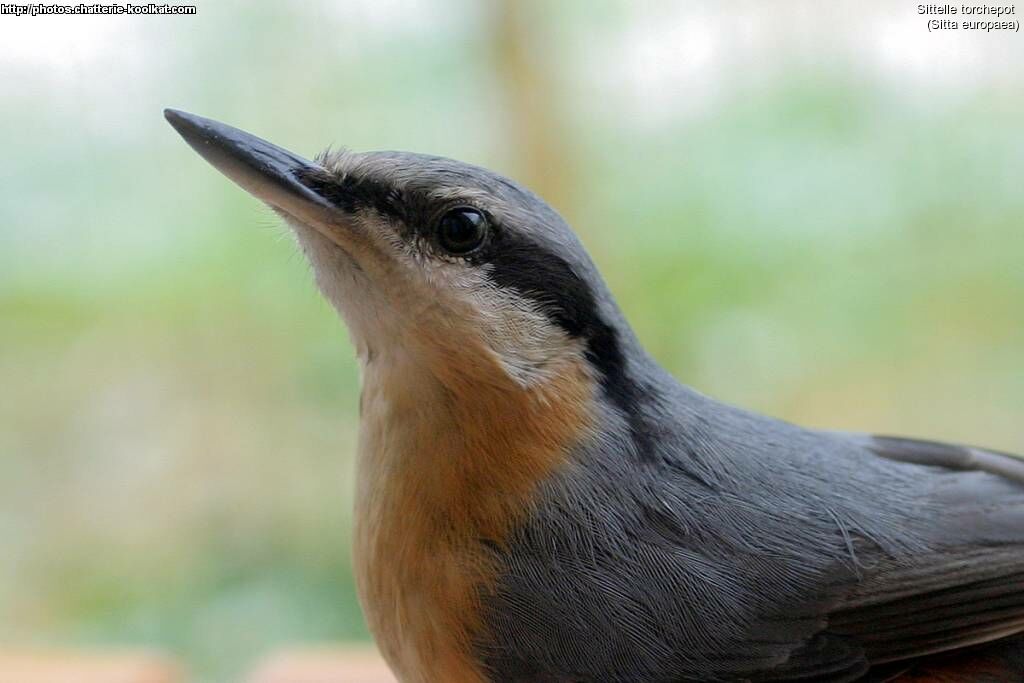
(335, 665)
(79, 667)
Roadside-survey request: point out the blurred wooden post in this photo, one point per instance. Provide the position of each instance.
(39, 666)
(525, 70)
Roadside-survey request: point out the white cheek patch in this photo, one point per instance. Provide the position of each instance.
(451, 298)
(529, 346)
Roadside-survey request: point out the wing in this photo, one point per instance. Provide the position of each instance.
(745, 549)
(968, 590)
(946, 456)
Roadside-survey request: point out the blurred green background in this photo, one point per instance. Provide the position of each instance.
(817, 214)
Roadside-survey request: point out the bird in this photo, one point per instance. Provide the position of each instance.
(538, 500)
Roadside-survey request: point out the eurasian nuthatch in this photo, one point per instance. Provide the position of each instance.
(538, 500)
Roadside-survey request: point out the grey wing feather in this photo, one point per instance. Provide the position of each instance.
(749, 549)
(949, 456)
(970, 590)
(967, 590)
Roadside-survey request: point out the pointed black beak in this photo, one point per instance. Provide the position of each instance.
(270, 173)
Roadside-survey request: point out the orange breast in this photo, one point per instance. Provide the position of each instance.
(448, 464)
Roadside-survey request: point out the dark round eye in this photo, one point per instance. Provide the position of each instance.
(461, 230)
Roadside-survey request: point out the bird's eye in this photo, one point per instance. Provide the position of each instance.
(461, 230)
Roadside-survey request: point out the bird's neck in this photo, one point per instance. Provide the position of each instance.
(451, 454)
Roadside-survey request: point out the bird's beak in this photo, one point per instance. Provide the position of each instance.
(270, 173)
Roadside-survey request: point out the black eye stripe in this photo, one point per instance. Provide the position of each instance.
(550, 282)
(545, 278)
(351, 193)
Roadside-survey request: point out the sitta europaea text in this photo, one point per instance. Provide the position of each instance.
(538, 500)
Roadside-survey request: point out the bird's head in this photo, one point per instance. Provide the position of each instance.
(432, 262)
